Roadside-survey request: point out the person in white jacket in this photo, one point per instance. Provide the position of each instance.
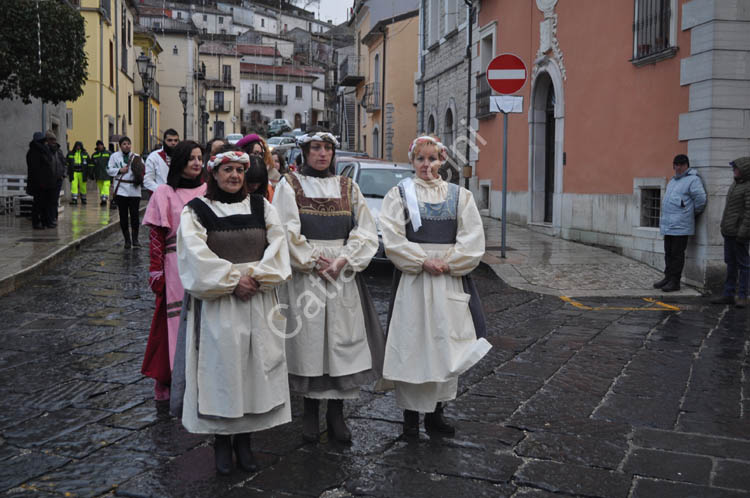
(157, 163)
(127, 189)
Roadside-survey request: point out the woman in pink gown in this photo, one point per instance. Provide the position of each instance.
(184, 183)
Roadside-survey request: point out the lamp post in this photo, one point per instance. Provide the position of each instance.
(202, 104)
(147, 70)
(183, 99)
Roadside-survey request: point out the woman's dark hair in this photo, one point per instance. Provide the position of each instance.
(282, 161)
(257, 173)
(211, 186)
(306, 148)
(180, 159)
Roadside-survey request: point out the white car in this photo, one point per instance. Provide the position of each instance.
(281, 143)
(233, 138)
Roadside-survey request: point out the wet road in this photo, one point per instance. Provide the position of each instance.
(605, 399)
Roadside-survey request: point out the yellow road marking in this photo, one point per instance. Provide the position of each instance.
(655, 306)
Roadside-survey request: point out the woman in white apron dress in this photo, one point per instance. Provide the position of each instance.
(433, 234)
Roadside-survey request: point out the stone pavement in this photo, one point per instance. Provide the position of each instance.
(615, 398)
(25, 252)
(549, 265)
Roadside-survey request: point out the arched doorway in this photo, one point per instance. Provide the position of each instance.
(448, 128)
(546, 126)
(297, 120)
(376, 142)
(431, 124)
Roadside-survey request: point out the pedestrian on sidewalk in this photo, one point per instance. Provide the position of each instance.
(157, 162)
(41, 182)
(128, 169)
(60, 169)
(335, 341)
(433, 234)
(684, 199)
(99, 164)
(735, 228)
(232, 252)
(78, 169)
(184, 183)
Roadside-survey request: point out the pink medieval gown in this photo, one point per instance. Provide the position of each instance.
(163, 216)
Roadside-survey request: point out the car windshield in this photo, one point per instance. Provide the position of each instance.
(377, 182)
(275, 140)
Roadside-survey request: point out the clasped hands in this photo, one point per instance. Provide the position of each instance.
(328, 268)
(246, 288)
(435, 266)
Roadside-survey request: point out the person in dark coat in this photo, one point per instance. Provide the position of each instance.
(735, 228)
(41, 182)
(61, 167)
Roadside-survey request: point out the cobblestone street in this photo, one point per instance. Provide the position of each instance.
(601, 397)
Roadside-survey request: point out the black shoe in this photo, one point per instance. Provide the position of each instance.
(337, 428)
(310, 422)
(73, 202)
(434, 422)
(38, 226)
(83, 201)
(243, 452)
(127, 244)
(103, 202)
(223, 454)
(661, 283)
(411, 423)
(671, 286)
(136, 242)
(723, 300)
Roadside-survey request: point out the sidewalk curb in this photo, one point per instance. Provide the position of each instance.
(21, 277)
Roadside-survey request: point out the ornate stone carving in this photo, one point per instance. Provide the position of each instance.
(548, 38)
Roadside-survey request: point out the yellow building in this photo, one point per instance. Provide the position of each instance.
(146, 43)
(222, 86)
(106, 108)
(388, 56)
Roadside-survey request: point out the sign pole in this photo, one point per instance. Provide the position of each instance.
(503, 220)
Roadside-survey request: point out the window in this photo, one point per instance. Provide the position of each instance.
(376, 143)
(448, 128)
(433, 25)
(262, 23)
(130, 109)
(106, 6)
(451, 15)
(285, 27)
(431, 124)
(179, 15)
(309, 26)
(653, 28)
(175, 51)
(650, 207)
(279, 94)
(279, 114)
(226, 74)
(223, 31)
(123, 40)
(205, 17)
(205, 31)
(298, 92)
(130, 33)
(221, 20)
(69, 118)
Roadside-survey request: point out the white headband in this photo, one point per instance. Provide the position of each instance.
(232, 156)
(321, 136)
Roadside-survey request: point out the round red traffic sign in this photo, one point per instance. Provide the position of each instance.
(506, 74)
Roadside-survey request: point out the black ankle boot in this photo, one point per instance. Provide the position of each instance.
(337, 428)
(244, 453)
(136, 242)
(411, 423)
(661, 283)
(223, 454)
(434, 422)
(310, 423)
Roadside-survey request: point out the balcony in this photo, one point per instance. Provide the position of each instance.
(484, 92)
(349, 72)
(215, 106)
(371, 100)
(260, 98)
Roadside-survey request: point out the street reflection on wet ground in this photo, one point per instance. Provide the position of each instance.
(605, 400)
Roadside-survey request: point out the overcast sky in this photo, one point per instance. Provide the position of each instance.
(333, 9)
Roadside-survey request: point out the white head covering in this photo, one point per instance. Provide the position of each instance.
(428, 139)
(232, 156)
(320, 136)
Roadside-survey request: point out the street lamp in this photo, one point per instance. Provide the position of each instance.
(183, 99)
(202, 105)
(147, 70)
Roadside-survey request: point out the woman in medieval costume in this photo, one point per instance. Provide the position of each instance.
(433, 234)
(184, 183)
(231, 251)
(334, 339)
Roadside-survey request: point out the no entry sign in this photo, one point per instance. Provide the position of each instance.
(506, 74)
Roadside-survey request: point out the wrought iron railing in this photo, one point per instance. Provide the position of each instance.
(651, 27)
(216, 106)
(372, 97)
(260, 98)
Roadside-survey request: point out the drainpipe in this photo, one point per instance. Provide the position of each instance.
(422, 61)
(384, 30)
(117, 75)
(101, 74)
(469, 24)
